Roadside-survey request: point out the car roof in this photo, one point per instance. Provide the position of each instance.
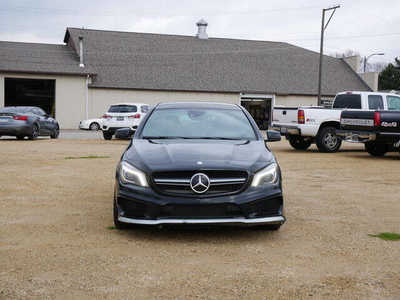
(217, 105)
(20, 108)
(367, 93)
(126, 103)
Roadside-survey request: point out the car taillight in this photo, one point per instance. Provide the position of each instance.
(20, 118)
(106, 117)
(300, 116)
(136, 116)
(377, 118)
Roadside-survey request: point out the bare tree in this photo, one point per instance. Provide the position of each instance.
(344, 54)
(376, 67)
(370, 67)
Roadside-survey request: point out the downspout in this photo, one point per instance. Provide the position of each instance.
(87, 96)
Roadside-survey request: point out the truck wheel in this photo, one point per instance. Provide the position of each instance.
(298, 142)
(107, 135)
(376, 149)
(327, 140)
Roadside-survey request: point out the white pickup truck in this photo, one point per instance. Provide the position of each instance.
(306, 125)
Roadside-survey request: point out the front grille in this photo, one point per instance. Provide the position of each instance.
(222, 182)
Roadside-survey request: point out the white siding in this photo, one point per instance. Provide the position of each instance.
(70, 97)
(100, 99)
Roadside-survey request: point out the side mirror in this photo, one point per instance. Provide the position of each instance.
(273, 136)
(124, 133)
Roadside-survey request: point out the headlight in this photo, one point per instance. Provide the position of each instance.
(267, 175)
(129, 174)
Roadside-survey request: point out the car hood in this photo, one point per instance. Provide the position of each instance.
(158, 155)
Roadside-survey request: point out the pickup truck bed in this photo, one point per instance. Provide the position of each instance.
(379, 130)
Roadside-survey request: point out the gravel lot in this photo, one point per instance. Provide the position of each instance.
(57, 239)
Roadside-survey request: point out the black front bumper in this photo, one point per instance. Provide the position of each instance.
(255, 206)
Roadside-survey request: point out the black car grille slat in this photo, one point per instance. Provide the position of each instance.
(221, 182)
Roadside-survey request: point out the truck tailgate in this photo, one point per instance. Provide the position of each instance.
(284, 115)
(389, 122)
(357, 120)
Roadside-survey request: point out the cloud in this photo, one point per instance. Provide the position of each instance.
(359, 25)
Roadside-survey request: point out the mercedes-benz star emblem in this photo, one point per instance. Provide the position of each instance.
(200, 183)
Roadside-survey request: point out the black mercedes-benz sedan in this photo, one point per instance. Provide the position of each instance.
(199, 163)
(27, 121)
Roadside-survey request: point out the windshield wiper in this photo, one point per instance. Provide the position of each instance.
(164, 137)
(191, 138)
(218, 138)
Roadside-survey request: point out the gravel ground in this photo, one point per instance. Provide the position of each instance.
(57, 239)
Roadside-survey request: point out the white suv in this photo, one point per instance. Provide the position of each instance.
(123, 115)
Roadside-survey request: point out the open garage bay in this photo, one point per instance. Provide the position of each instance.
(57, 238)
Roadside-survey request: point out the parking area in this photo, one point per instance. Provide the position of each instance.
(57, 239)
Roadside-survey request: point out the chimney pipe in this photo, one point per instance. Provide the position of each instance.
(81, 65)
(201, 31)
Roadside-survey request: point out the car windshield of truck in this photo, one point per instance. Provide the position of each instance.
(347, 101)
(198, 123)
(122, 108)
(393, 102)
(375, 102)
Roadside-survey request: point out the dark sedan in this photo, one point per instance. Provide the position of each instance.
(198, 163)
(27, 121)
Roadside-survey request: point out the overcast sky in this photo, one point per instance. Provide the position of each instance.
(366, 26)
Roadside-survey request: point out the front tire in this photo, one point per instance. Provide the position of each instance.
(94, 126)
(107, 135)
(327, 141)
(55, 133)
(35, 132)
(119, 225)
(376, 149)
(298, 142)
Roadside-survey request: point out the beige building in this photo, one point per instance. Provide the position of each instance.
(94, 69)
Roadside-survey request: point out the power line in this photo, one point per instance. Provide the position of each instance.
(108, 13)
(349, 37)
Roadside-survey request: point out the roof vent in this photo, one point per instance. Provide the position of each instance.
(202, 27)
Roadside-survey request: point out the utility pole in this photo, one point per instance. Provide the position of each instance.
(321, 50)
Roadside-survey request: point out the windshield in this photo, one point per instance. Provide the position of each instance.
(206, 123)
(122, 109)
(393, 102)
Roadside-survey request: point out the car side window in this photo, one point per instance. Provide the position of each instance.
(41, 112)
(393, 102)
(375, 102)
(35, 111)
